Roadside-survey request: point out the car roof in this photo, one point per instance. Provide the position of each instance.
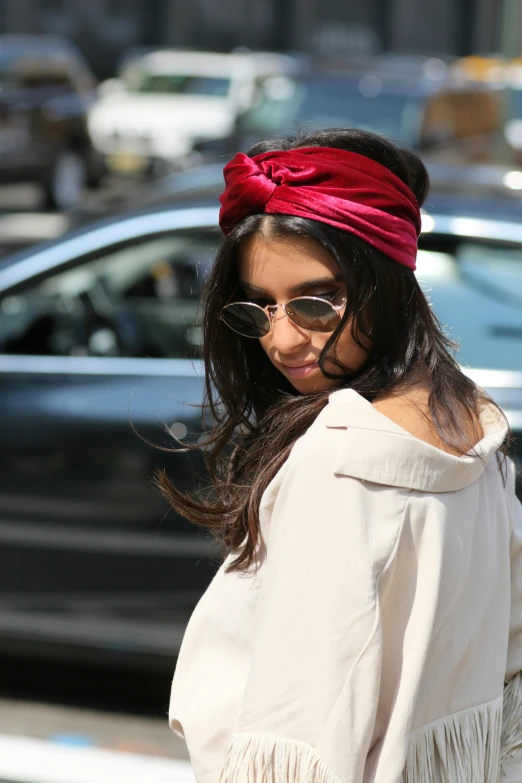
(399, 74)
(475, 205)
(433, 65)
(35, 44)
(444, 213)
(165, 60)
(242, 64)
(473, 190)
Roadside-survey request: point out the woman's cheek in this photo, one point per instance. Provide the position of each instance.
(348, 353)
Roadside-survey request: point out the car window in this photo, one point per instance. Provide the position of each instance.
(514, 102)
(324, 103)
(60, 68)
(7, 74)
(477, 294)
(33, 72)
(140, 300)
(178, 84)
(461, 115)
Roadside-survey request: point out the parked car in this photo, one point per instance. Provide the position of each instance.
(46, 89)
(99, 345)
(147, 121)
(472, 189)
(412, 101)
(504, 76)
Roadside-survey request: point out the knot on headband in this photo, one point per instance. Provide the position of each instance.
(343, 189)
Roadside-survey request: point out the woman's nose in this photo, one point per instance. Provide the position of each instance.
(286, 336)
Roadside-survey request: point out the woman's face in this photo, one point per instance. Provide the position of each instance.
(277, 270)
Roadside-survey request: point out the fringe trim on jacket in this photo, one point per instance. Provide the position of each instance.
(470, 746)
(264, 758)
(460, 748)
(511, 740)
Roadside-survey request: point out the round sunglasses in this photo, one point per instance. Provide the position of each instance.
(309, 312)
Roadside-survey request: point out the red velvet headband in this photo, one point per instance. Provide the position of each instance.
(344, 189)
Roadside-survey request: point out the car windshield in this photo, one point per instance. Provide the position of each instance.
(178, 84)
(7, 70)
(327, 102)
(514, 100)
(477, 295)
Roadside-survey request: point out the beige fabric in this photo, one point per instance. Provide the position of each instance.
(370, 641)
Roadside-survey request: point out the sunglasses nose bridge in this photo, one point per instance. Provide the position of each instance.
(287, 313)
(271, 311)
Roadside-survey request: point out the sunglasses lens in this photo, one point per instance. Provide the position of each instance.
(316, 315)
(246, 319)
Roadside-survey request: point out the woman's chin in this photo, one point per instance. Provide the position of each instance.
(315, 382)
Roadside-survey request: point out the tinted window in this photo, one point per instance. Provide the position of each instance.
(514, 100)
(477, 294)
(7, 75)
(324, 103)
(179, 84)
(44, 77)
(30, 70)
(142, 300)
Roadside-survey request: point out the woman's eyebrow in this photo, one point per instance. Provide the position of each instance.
(318, 281)
(299, 287)
(252, 287)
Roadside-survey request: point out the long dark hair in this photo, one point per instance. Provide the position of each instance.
(257, 413)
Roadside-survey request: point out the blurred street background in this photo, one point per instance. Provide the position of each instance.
(116, 118)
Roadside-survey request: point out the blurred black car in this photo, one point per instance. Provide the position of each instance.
(46, 88)
(411, 100)
(99, 341)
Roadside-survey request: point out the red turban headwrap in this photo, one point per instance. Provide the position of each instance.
(344, 189)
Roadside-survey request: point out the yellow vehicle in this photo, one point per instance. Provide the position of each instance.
(490, 69)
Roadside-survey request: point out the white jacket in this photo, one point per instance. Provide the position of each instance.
(373, 639)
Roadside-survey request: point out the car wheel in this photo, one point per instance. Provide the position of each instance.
(67, 181)
(96, 169)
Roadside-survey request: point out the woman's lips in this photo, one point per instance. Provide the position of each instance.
(302, 371)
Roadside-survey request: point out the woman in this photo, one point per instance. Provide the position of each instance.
(363, 622)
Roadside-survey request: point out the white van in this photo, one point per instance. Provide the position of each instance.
(164, 102)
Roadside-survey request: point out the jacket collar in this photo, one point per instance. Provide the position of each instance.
(378, 450)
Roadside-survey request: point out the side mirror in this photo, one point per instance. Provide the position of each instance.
(110, 87)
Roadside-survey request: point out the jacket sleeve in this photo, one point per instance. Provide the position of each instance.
(309, 706)
(512, 714)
